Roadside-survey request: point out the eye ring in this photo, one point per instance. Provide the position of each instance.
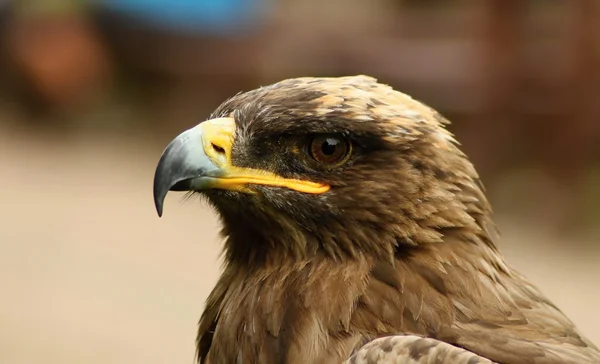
(331, 150)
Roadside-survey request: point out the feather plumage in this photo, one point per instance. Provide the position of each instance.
(396, 263)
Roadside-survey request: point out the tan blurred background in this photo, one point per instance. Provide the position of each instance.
(92, 91)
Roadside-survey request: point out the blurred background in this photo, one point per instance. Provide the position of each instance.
(92, 91)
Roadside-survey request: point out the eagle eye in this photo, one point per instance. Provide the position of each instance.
(330, 150)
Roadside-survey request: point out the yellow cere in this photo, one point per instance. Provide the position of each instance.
(218, 133)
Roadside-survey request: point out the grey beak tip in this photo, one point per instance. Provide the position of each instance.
(159, 196)
(160, 192)
(182, 160)
(158, 204)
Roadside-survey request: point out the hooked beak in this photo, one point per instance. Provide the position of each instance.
(200, 159)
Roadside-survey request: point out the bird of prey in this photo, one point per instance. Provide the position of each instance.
(355, 231)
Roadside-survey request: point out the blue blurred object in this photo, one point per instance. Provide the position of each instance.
(214, 17)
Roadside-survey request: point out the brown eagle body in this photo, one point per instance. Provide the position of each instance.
(401, 242)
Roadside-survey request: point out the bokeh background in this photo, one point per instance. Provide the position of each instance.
(92, 91)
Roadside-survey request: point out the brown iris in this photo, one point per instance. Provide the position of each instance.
(331, 150)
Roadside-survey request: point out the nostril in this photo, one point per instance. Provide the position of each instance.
(218, 149)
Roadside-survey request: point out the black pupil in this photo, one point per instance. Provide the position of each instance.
(329, 146)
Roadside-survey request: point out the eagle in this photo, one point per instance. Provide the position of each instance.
(355, 231)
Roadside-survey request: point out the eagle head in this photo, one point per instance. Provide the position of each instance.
(339, 166)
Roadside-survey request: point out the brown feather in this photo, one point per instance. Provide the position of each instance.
(403, 244)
